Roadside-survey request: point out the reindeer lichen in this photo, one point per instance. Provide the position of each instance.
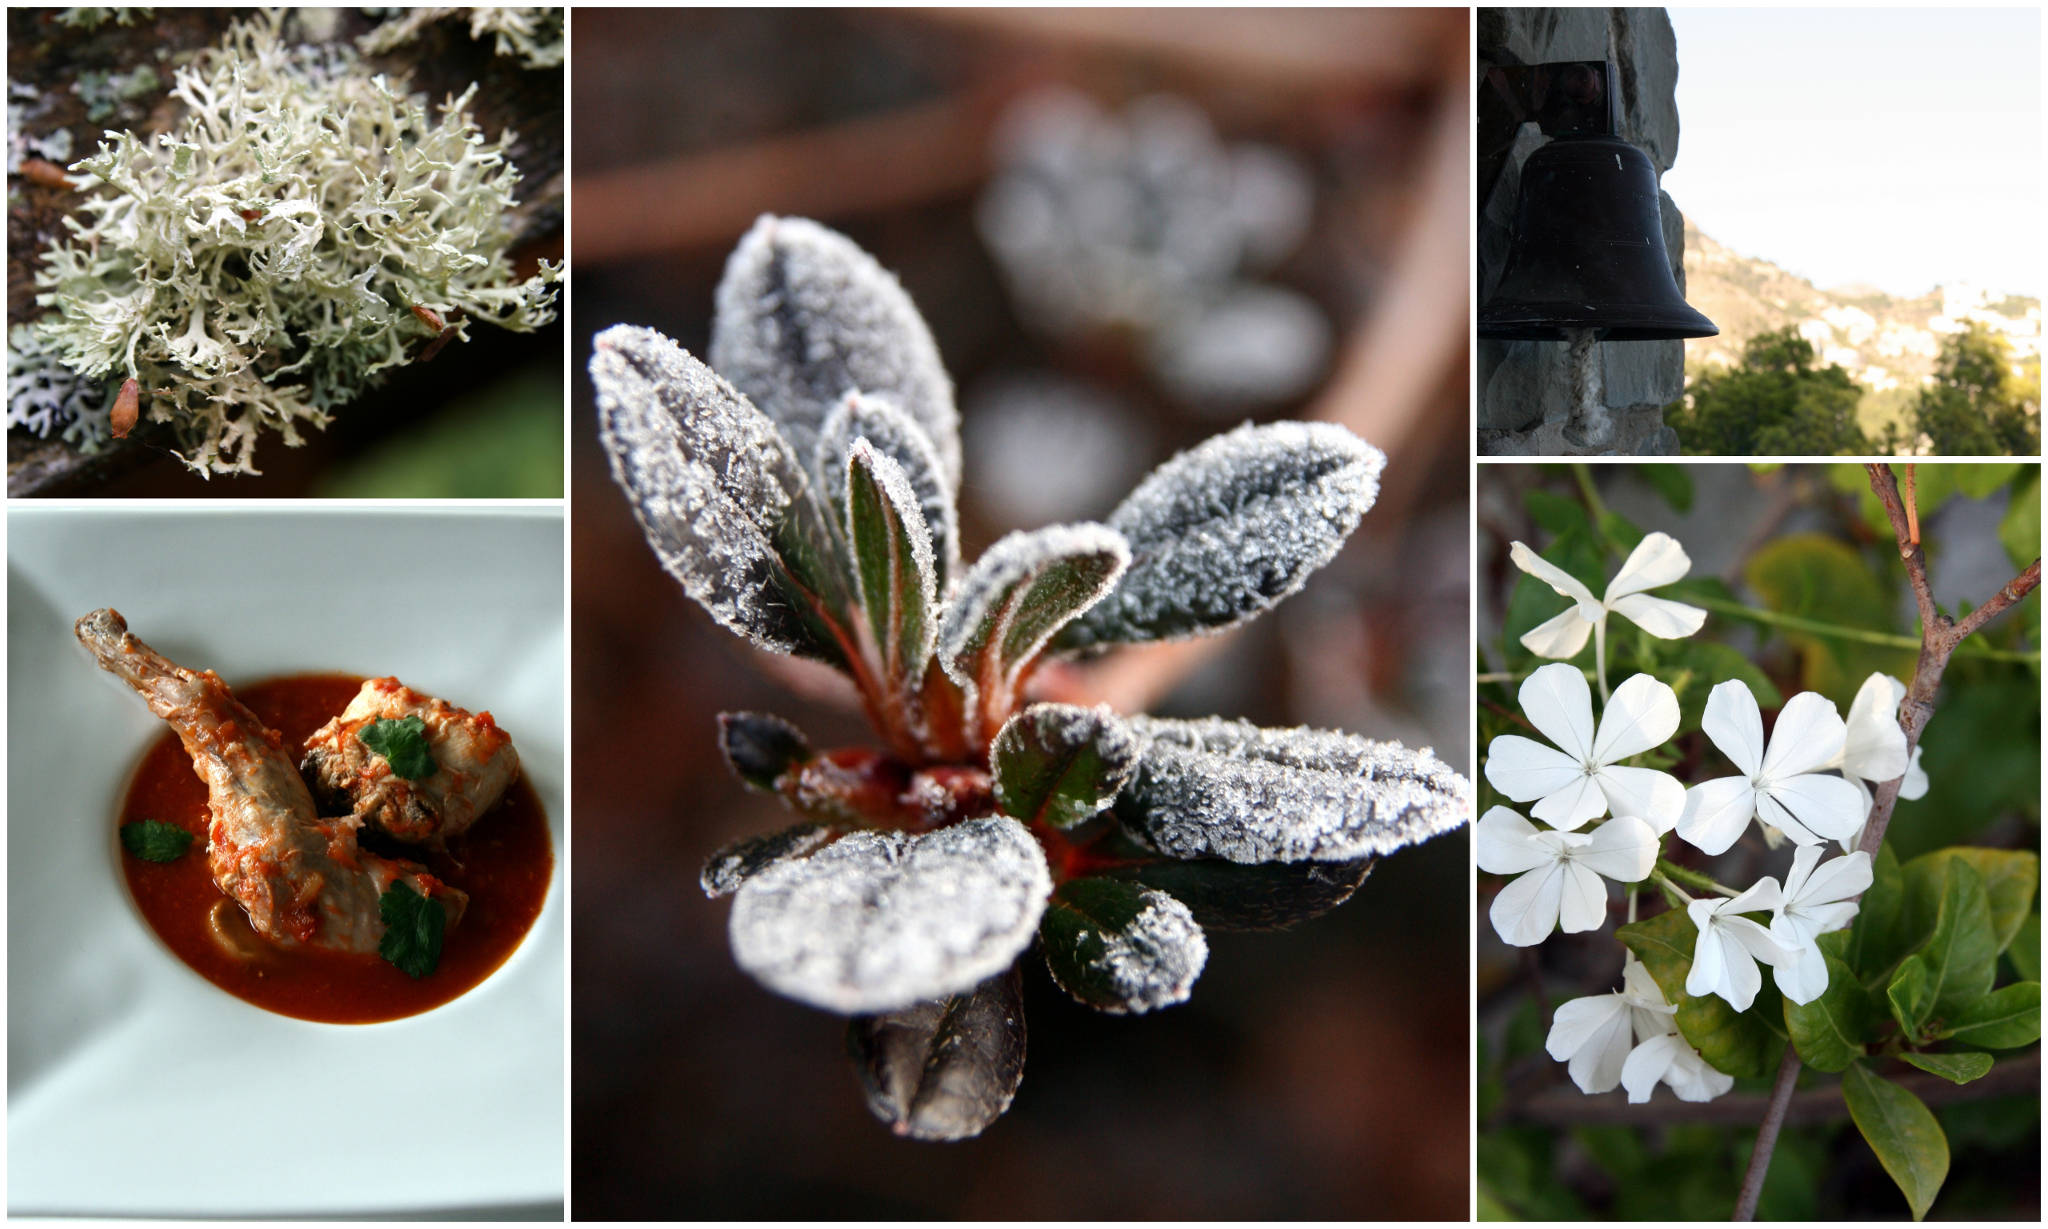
(534, 36)
(258, 265)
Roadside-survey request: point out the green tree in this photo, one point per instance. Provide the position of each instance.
(1776, 403)
(1977, 405)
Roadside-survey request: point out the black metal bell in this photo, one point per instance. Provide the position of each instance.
(1587, 251)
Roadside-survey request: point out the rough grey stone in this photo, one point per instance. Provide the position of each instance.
(1639, 431)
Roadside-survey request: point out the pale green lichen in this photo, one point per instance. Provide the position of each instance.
(103, 93)
(533, 35)
(87, 19)
(256, 266)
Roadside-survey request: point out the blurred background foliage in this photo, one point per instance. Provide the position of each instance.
(1318, 1073)
(1800, 573)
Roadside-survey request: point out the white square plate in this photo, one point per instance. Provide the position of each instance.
(135, 1087)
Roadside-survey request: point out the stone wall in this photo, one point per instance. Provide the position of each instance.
(1525, 386)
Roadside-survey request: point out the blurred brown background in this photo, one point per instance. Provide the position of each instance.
(1321, 1072)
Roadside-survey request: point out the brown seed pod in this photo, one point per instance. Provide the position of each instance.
(429, 317)
(48, 174)
(127, 407)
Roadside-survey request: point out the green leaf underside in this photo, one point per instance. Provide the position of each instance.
(760, 747)
(1103, 947)
(1961, 952)
(1957, 1068)
(1735, 1043)
(946, 1068)
(403, 744)
(1831, 1031)
(895, 578)
(2010, 878)
(1876, 939)
(1911, 994)
(1021, 591)
(153, 840)
(2005, 1019)
(1902, 1132)
(1061, 764)
(413, 928)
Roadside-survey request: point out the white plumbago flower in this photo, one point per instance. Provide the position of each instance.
(1875, 748)
(1672, 1060)
(1593, 1035)
(1817, 900)
(1724, 959)
(1657, 560)
(1780, 785)
(1581, 778)
(1558, 873)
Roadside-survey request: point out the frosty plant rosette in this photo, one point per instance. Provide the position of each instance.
(1867, 959)
(801, 488)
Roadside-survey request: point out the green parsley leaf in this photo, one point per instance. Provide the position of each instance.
(404, 744)
(152, 840)
(413, 926)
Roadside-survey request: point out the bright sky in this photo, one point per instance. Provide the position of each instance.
(1899, 148)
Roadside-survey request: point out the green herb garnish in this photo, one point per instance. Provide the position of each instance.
(153, 840)
(413, 926)
(403, 744)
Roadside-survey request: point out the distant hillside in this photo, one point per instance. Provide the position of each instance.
(1886, 343)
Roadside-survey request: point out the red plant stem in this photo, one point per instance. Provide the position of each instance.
(1939, 636)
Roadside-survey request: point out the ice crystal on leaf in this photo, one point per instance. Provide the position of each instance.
(1232, 790)
(876, 921)
(808, 506)
(255, 266)
(804, 317)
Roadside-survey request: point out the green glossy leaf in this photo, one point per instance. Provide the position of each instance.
(1061, 764)
(1959, 1067)
(1555, 514)
(2005, 1019)
(1911, 994)
(1816, 576)
(153, 840)
(893, 565)
(1621, 534)
(1982, 752)
(2019, 531)
(1017, 595)
(1831, 1032)
(2025, 952)
(1673, 482)
(1876, 938)
(1902, 1132)
(1954, 912)
(2010, 878)
(1738, 1043)
(1120, 947)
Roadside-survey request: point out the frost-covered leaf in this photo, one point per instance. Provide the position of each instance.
(733, 865)
(893, 434)
(943, 1069)
(1061, 763)
(717, 491)
(1224, 531)
(892, 555)
(804, 316)
(1017, 595)
(1120, 947)
(1232, 790)
(760, 746)
(876, 921)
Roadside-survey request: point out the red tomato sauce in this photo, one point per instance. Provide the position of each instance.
(504, 862)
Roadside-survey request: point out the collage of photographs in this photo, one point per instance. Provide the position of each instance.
(613, 613)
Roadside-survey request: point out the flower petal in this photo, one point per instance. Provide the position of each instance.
(1735, 725)
(1809, 733)
(1526, 770)
(1692, 1078)
(1593, 1033)
(1774, 816)
(1557, 701)
(1646, 1065)
(1838, 879)
(1550, 574)
(1709, 956)
(1659, 616)
(1804, 977)
(1915, 784)
(1644, 793)
(1623, 849)
(1571, 806)
(1820, 802)
(1561, 637)
(1716, 812)
(1583, 906)
(1874, 747)
(1657, 560)
(1642, 713)
(1525, 912)
(1759, 896)
(1503, 843)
